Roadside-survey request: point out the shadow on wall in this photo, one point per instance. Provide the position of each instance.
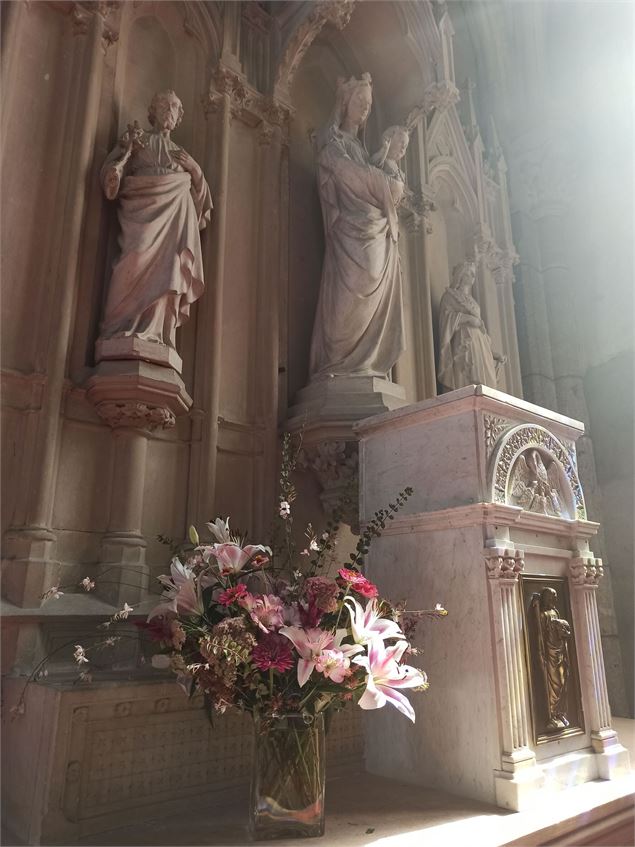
(609, 390)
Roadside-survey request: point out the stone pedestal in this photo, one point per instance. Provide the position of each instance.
(133, 347)
(496, 519)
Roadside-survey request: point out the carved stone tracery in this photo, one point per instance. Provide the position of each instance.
(337, 12)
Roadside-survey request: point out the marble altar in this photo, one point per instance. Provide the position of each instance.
(484, 730)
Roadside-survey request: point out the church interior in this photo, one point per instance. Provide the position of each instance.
(396, 234)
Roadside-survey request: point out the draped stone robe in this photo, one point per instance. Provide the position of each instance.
(159, 273)
(359, 325)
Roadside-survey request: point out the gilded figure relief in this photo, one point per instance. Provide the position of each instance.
(554, 686)
(553, 634)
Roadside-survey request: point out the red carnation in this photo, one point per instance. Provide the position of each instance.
(231, 595)
(273, 651)
(358, 582)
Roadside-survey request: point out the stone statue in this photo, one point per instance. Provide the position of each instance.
(359, 325)
(534, 486)
(393, 148)
(164, 201)
(465, 348)
(553, 651)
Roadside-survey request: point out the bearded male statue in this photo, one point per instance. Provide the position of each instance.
(164, 201)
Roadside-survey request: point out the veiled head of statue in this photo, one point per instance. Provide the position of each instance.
(353, 101)
(165, 110)
(463, 274)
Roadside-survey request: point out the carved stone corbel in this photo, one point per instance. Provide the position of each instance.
(335, 466)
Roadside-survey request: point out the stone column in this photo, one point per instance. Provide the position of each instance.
(265, 370)
(208, 355)
(29, 548)
(518, 777)
(123, 545)
(584, 576)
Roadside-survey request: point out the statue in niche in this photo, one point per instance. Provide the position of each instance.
(534, 485)
(465, 349)
(359, 324)
(164, 201)
(553, 633)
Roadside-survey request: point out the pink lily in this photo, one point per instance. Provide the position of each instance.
(181, 595)
(231, 558)
(265, 610)
(385, 674)
(311, 643)
(368, 624)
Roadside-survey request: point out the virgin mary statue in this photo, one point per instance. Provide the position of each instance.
(358, 326)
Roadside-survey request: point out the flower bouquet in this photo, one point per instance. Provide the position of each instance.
(240, 625)
(256, 628)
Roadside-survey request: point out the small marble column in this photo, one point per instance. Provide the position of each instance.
(518, 777)
(585, 573)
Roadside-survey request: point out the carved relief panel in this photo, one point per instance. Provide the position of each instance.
(533, 469)
(554, 686)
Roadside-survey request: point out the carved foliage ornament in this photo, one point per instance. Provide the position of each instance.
(586, 572)
(135, 415)
(503, 563)
(494, 427)
(245, 103)
(530, 437)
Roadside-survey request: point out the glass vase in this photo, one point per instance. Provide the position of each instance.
(287, 778)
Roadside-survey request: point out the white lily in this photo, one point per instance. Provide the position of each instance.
(181, 593)
(220, 530)
(368, 624)
(386, 674)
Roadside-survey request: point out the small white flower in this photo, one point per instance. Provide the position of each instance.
(314, 545)
(122, 614)
(54, 592)
(439, 608)
(80, 655)
(325, 536)
(87, 584)
(305, 552)
(285, 509)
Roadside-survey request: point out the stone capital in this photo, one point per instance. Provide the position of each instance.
(504, 563)
(586, 572)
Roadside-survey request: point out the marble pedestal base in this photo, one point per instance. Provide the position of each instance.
(462, 540)
(338, 402)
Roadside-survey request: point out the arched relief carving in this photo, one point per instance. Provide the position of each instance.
(533, 469)
(337, 12)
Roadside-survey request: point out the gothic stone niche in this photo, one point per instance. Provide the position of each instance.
(533, 469)
(554, 685)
